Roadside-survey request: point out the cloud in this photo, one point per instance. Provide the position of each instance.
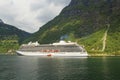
(30, 15)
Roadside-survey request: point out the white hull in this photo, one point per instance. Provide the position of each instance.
(60, 54)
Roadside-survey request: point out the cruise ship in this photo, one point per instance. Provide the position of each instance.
(60, 49)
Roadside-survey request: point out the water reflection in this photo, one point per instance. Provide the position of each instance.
(103, 68)
(37, 68)
(27, 68)
(62, 68)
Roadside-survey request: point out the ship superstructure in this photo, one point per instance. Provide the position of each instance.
(61, 48)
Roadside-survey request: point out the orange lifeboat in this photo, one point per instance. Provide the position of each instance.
(49, 55)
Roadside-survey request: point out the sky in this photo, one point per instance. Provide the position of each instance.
(30, 15)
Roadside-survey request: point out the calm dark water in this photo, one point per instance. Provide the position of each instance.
(37, 68)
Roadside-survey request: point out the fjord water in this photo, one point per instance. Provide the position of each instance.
(50, 68)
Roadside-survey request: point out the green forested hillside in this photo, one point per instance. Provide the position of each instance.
(10, 37)
(92, 23)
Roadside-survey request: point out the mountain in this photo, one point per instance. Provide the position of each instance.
(7, 30)
(1, 21)
(10, 37)
(92, 23)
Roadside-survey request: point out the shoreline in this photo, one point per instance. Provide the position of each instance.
(102, 55)
(89, 54)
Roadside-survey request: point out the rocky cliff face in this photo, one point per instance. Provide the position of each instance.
(93, 23)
